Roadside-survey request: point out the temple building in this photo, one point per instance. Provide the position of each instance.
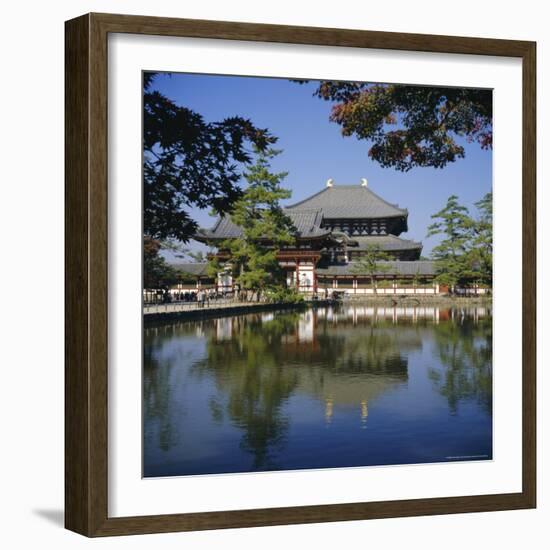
(334, 229)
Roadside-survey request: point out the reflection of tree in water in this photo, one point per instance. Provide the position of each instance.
(156, 392)
(464, 348)
(258, 368)
(250, 372)
(159, 378)
(258, 361)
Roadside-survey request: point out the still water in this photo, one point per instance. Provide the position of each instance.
(321, 388)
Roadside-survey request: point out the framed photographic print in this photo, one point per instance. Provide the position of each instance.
(300, 275)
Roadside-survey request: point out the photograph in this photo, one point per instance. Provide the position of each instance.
(317, 274)
(292, 270)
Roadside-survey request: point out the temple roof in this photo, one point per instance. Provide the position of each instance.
(385, 242)
(420, 267)
(306, 221)
(350, 201)
(342, 393)
(197, 269)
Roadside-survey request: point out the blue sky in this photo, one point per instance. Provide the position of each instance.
(314, 149)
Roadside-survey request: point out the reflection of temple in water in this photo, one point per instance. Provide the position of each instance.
(329, 410)
(354, 314)
(335, 362)
(264, 376)
(395, 314)
(355, 340)
(344, 357)
(337, 394)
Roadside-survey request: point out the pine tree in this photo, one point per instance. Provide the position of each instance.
(372, 263)
(451, 254)
(482, 240)
(265, 229)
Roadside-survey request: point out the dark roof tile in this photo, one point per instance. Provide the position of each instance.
(306, 221)
(350, 201)
(197, 269)
(385, 242)
(420, 267)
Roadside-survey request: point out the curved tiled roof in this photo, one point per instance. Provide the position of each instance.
(306, 221)
(350, 201)
(385, 242)
(224, 228)
(197, 269)
(420, 267)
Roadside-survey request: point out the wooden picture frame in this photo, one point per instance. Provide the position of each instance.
(86, 219)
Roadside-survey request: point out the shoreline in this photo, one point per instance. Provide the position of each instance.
(423, 299)
(236, 309)
(381, 301)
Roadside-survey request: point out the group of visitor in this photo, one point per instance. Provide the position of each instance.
(187, 296)
(202, 296)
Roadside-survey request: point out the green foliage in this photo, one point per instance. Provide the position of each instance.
(450, 254)
(465, 351)
(179, 250)
(284, 295)
(198, 256)
(482, 240)
(157, 273)
(410, 126)
(371, 263)
(256, 385)
(251, 372)
(214, 267)
(253, 257)
(465, 255)
(189, 163)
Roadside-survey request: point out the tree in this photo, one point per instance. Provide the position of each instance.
(465, 353)
(482, 240)
(197, 255)
(453, 254)
(465, 255)
(265, 229)
(370, 263)
(157, 273)
(253, 383)
(190, 163)
(187, 163)
(410, 126)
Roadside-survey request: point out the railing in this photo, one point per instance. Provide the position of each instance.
(158, 298)
(471, 291)
(176, 306)
(208, 303)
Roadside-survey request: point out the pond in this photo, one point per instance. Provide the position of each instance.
(326, 387)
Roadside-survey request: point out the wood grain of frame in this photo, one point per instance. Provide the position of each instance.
(86, 414)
